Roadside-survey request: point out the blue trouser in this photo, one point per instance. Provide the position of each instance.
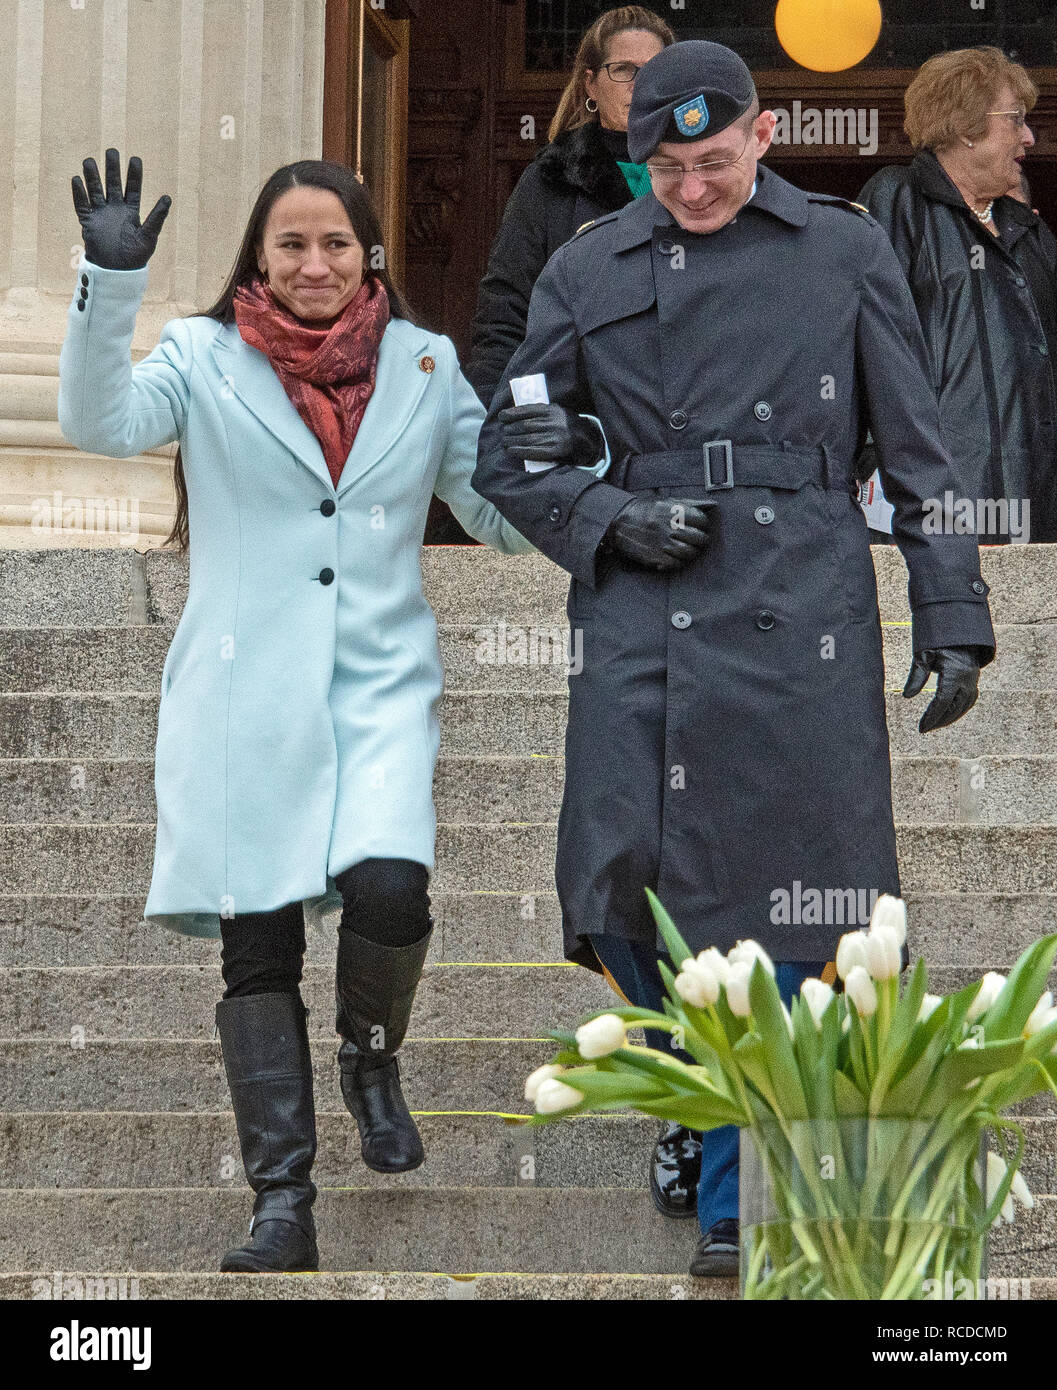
(633, 965)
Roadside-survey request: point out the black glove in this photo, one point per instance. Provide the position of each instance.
(113, 235)
(550, 434)
(662, 533)
(957, 677)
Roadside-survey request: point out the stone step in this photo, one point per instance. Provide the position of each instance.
(170, 1074)
(504, 656)
(985, 930)
(494, 656)
(566, 1288)
(187, 1074)
(483, 723)
(990, 790)
(177, 1001)
(452, 1230)
(520, 858)
(465, 584)
(85, 1149)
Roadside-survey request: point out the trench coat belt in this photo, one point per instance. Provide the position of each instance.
(719, 464)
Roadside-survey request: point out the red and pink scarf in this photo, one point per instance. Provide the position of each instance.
(328, 373)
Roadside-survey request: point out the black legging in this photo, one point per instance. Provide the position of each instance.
(384, 900)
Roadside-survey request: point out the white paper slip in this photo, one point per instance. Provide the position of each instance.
(531, 390)
(874, 503)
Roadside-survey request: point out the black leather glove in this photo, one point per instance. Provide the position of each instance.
(662, 533)
(113, 235)
(957, 677)
(550, 434)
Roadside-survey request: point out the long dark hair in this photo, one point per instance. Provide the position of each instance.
(315, 173)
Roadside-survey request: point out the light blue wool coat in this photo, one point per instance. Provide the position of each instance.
(297, 728)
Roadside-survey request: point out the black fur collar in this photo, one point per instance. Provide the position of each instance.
(578, 159)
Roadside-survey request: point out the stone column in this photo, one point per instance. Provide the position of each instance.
(213, 95)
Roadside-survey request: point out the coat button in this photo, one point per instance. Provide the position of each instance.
(556, 514)
(327, 506)
(978, 586)
(678, 419)
(84, 279)
(765, 620)
(681, 619)
(80, 305)
(326, 576)
(764, 515)
(1042, 349)
(762, 410)
(1019, 281)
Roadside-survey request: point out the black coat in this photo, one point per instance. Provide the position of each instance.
(727, 735)
(991, 331)
(571, 181)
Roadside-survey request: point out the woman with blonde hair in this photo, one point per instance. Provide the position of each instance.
(982, 268)
(583, 173)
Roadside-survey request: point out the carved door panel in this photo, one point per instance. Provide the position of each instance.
(365, 104)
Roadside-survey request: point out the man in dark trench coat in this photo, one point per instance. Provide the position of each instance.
(727, 743)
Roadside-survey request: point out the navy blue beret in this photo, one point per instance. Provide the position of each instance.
(689, 91)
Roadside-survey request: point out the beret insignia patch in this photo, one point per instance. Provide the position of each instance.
(692, 116)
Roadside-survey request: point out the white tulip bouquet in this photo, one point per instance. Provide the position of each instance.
(867, 1108)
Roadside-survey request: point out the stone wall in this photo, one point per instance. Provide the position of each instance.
(213, 95)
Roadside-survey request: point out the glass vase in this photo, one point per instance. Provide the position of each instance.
(862, 1209)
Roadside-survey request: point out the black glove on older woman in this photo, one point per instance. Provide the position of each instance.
(661, 533)
(957, 677)
(550, 434)
(114, 237)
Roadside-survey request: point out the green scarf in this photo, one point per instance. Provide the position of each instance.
(637, 177)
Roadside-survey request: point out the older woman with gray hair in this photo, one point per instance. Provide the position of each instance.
(982, 267)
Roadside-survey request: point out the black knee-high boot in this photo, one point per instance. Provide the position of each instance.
(264, 1039)
(375, 988)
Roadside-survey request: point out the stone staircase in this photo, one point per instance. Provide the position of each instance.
(118, 1153)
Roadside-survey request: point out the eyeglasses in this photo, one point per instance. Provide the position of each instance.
(621, 72)
(670, 174)
(1020, 117)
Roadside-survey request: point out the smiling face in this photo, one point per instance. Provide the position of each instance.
(636, 46)
(706, 201)
(995, 160)
(311, 254)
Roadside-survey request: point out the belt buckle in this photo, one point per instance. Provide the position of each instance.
(728, 479)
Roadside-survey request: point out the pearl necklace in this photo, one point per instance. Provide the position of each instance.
(987, 215)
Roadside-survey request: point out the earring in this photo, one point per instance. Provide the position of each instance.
(591, 104)
(969, 143)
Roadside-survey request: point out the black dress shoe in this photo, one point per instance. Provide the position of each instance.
(716, 1256)
(675, 1170)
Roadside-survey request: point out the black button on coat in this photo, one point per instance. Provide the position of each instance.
(722, 762)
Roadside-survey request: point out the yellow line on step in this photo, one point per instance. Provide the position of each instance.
(496, 1114)
(511, 1116)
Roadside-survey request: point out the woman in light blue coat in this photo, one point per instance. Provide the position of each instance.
(297, 728)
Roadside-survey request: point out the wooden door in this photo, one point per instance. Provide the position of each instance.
(365, 104)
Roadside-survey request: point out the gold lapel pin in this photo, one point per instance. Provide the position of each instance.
(426, 363)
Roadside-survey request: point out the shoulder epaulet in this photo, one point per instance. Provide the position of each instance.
(595, 222)
(835, 199)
